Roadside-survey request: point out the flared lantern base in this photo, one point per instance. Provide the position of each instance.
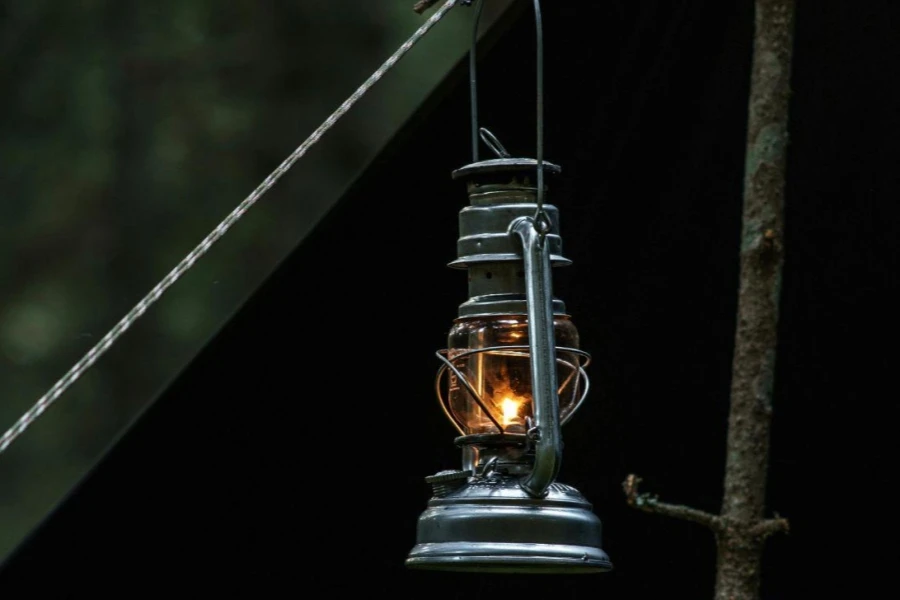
(492, 525)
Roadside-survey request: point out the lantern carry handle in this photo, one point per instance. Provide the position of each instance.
(546, 433)
(542, 221)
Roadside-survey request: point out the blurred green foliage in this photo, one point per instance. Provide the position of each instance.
(128, 130)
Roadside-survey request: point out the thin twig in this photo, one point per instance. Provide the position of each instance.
(764, 529)
(650, 503)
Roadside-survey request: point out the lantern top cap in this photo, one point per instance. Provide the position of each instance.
(497, 165)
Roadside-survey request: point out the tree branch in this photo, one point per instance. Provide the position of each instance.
(764, 529)
(741, 529)
(738, 573)
(650, 503)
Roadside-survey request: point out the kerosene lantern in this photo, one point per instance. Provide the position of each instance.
(511, 376)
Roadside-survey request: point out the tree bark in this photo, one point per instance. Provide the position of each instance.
(762, 257)
(741, 527)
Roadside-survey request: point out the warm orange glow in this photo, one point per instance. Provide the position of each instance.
(510, 409)
(499, 390)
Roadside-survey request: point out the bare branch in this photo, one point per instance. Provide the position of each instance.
(762, 257)
(768, 527)
(650, 503)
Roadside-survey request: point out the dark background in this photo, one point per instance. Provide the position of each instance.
(289, 456)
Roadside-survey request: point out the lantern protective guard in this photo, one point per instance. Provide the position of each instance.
(576, 371)
(504, 511)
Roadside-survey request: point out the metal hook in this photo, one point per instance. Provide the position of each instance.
(539, 216)
(493, 143)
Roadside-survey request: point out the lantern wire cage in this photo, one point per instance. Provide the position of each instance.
(574, 371)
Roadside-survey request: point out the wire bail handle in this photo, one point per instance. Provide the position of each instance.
(541, 219)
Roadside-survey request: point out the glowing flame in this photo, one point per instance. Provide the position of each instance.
(510, 409)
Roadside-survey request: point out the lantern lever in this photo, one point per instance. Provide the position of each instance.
(539, 295)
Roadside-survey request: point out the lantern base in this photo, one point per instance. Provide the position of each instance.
(508, 558)
(492, 525)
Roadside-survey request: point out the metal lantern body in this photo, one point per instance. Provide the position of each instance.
(511, 376)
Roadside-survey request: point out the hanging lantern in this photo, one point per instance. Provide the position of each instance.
(511, 376)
